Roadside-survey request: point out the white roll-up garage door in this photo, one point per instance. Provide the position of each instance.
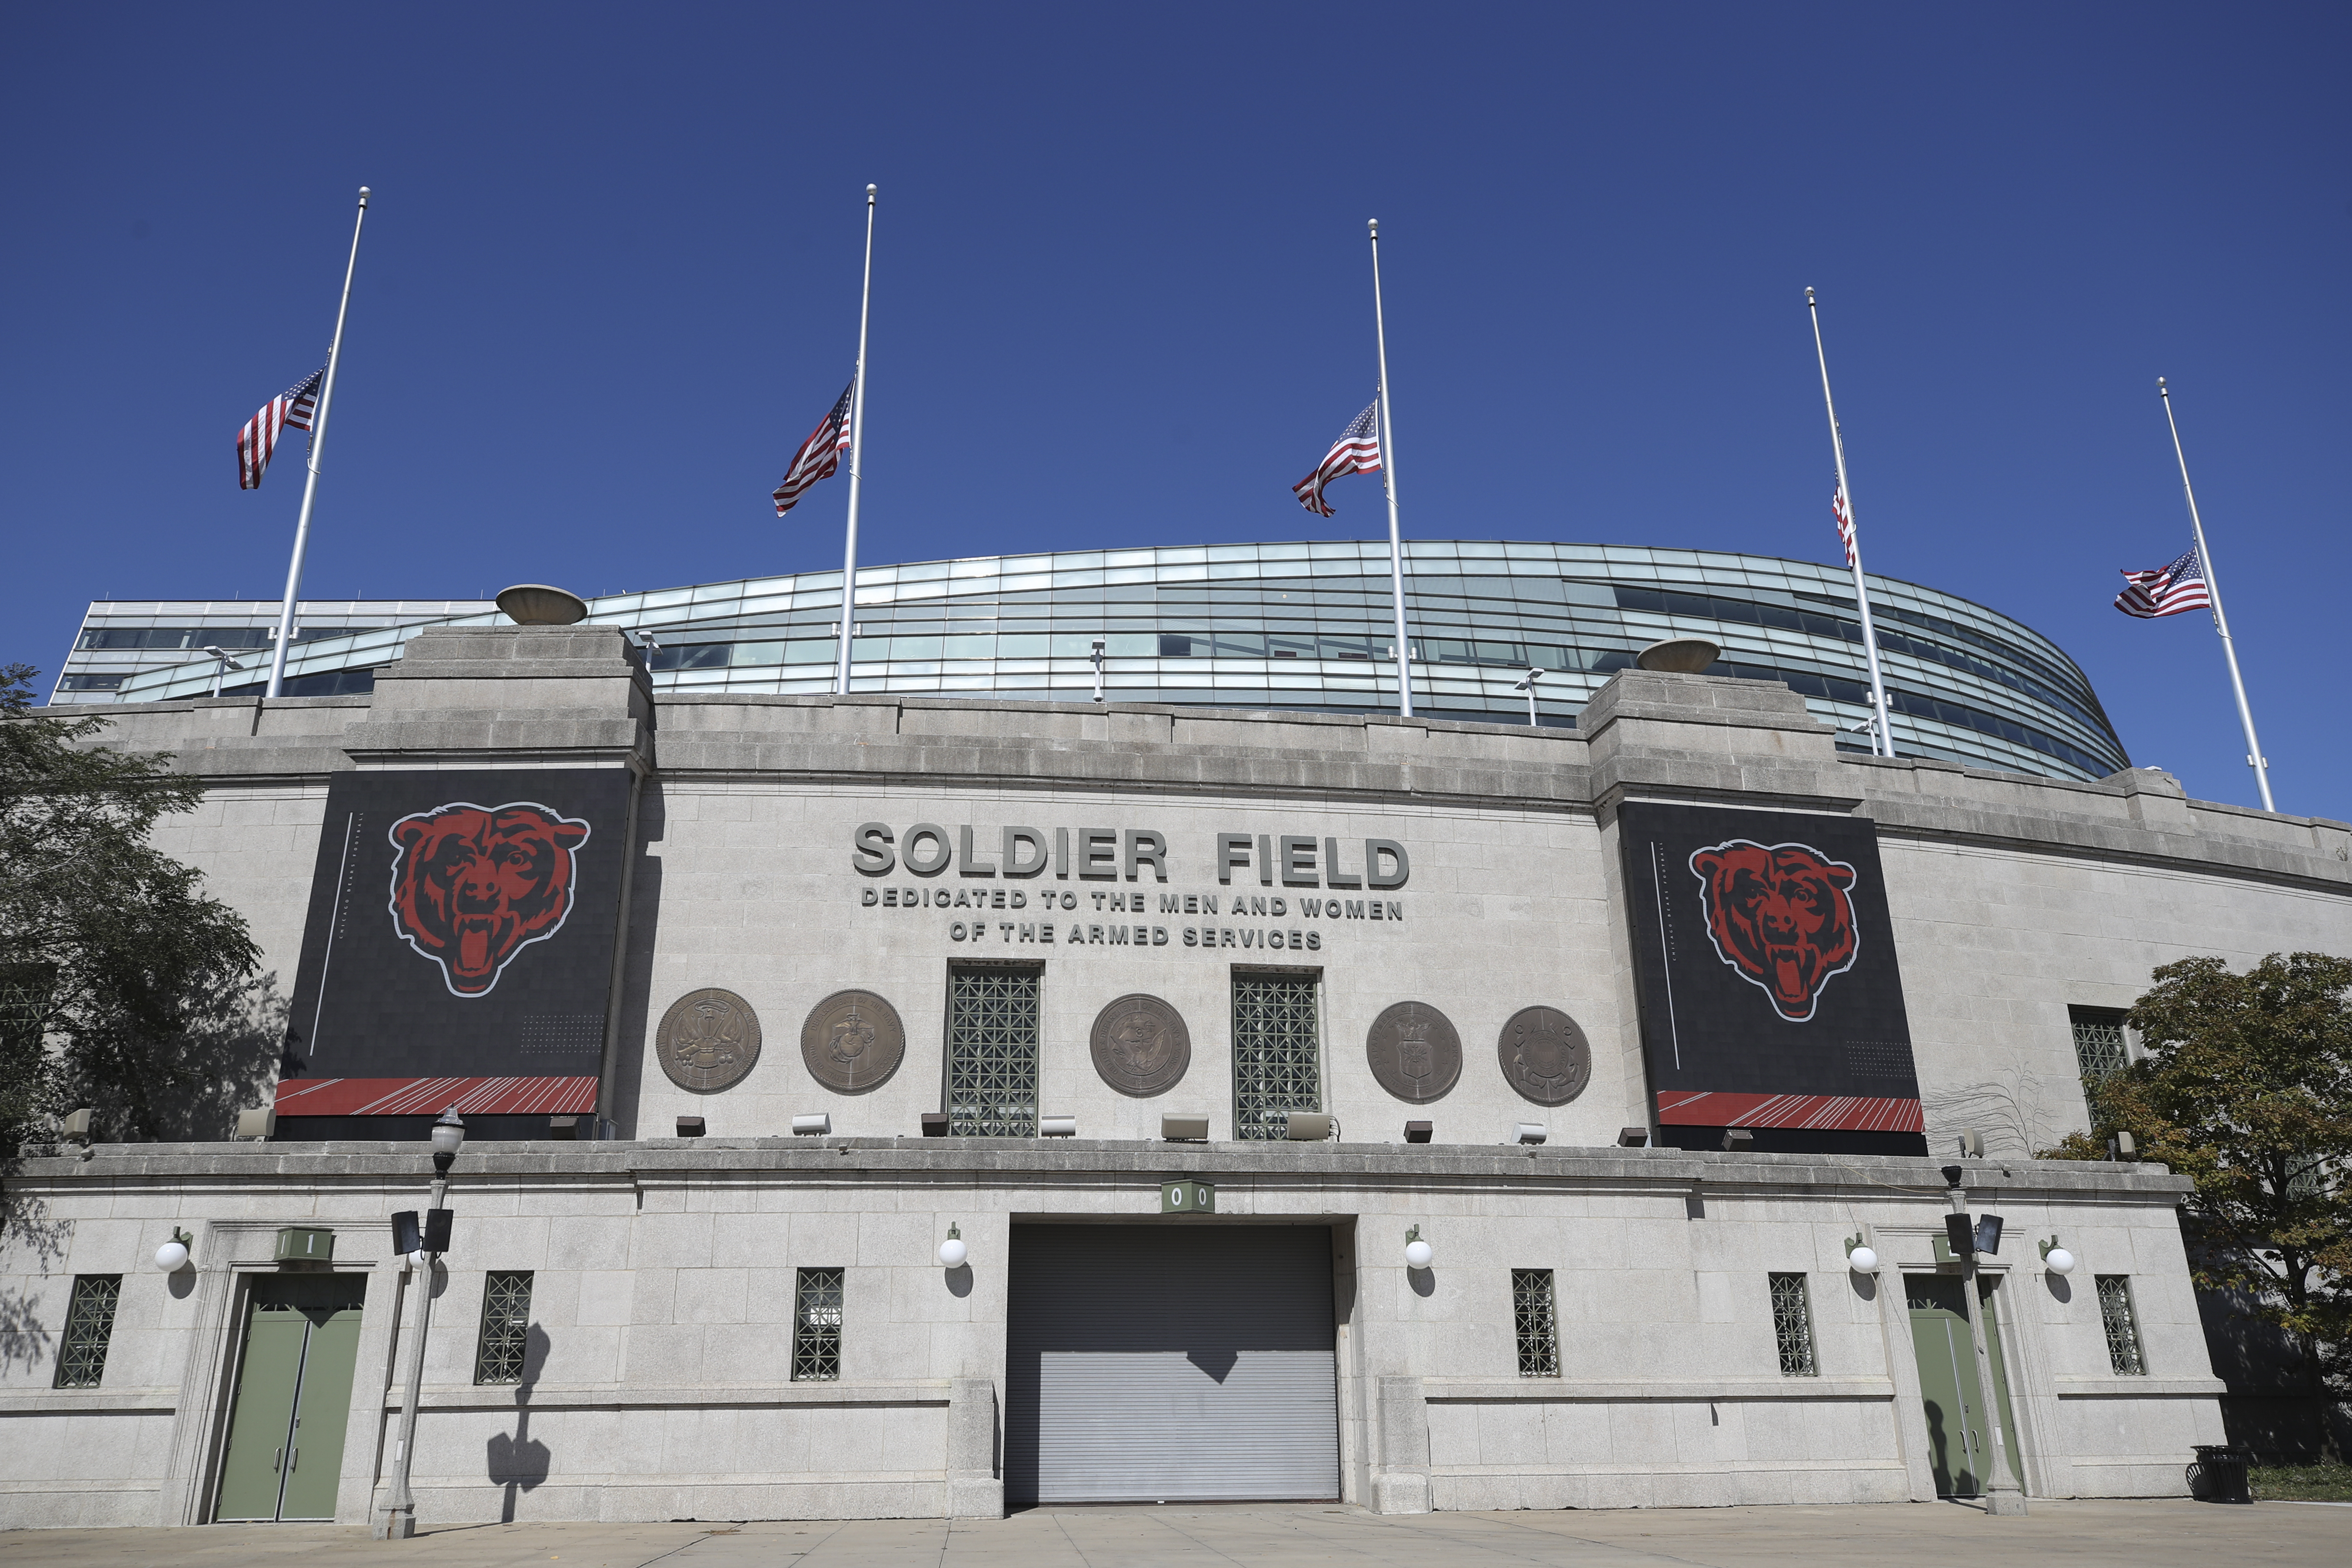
(1182, 1360)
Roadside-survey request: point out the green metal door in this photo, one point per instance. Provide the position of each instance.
(284, 1455)
(1959, 1438)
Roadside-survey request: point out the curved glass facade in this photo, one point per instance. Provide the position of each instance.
(1308, 625)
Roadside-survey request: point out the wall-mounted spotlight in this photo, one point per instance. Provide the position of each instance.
(2056, 1258)
(1306, 1126)
(1057, 1127)
(1418, 1254)
(818, 1124)
(1633, 1137)
(953, 1251)
(1528, 1132)
(1738, 1141)
(1420, 1131)
(1972, 1144)
(1179, 1128)
(1859, 1258)
(173, 1256)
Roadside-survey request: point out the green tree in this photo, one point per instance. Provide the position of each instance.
(2246, 1089)
(122, 986)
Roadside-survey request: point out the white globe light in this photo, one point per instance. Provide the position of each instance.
(2060, 1261)
(952, 1252)
(1863, 1261)
(1418, 1254)
(171, 1257)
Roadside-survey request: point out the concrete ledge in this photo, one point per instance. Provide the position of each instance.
(1552, 1390)
(2138, 1387)
(88, 1401)
(930, 1392)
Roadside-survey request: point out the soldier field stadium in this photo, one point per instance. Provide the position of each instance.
(1108, 1054)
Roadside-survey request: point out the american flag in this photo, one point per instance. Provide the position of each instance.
(1844, 515)
(1357, 451)
(819, 455)
(258, 439)
(2171, 590)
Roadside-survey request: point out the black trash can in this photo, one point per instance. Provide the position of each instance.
(2220, 1473)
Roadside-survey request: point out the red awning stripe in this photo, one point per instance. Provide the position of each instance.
(431, 1096)
(1841, 1113)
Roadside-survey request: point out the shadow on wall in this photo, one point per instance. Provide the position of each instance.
(638, 1007)
(521, 1462)
(2270, 1407)
(229, 1061)
(32, 1243)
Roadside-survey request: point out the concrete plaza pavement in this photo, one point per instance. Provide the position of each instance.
(2144, 1533)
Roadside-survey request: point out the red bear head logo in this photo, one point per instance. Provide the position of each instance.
(474, 885)
(1780, 916)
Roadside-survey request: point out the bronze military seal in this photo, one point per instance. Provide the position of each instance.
(853, 1041)
(1414, 1052)
(1545, 1056)
(708, 1040)
(1140, 1046)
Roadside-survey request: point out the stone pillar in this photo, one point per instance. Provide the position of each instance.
(975, 1490)
(1401, 1483)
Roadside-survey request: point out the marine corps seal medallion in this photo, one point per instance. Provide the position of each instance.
(852, 1041)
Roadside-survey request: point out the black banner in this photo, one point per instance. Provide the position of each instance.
(462, 926)
(1771, 996)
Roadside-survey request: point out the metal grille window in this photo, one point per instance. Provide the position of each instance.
(1538, 1323)
(2099, 1048)
(1792, 1325)
(993, 1052)
(817, 1327)
(2122, 1325)
(1277, 1054)
(505, 1328)
(90, 1325)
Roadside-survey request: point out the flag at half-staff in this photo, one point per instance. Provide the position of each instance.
(2173, 590)
(1845, 516)
(1357, 451)
(258, 442)
(820, 454)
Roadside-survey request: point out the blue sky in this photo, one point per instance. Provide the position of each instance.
(1121, 298)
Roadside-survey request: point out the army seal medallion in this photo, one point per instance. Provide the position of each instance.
(853, 1041)
(1414, 1052)
(1545, 1056)
(708, 1040)
(1140, 1044)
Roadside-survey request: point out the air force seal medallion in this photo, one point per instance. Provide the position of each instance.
(1414, 1052)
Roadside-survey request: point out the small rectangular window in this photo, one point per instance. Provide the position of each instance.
(2099, 1048)
(1533, 1307)
(2122, 1325)
(817, 1327)
(505, 1328)
(993, 1030)
(89, 1326)
(1277, 1052)
(1792, 1325)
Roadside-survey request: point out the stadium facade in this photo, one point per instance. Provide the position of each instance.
(936, 1103)
(1300, 626)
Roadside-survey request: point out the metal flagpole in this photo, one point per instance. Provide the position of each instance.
(1881, 730)
(1387, 483)
(311, 484)
(848, 627)
(2254, 758)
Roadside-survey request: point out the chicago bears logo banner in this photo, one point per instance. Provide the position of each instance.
(460, 946)
(1771, 995)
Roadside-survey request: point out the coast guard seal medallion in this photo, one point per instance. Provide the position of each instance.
(1545, 1056)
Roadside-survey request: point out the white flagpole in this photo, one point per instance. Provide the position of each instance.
(1882, 728)
(1387, 483)
(848, 627)
(311, 484)
(2254, 758)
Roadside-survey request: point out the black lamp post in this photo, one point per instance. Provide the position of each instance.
(420, 1244)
